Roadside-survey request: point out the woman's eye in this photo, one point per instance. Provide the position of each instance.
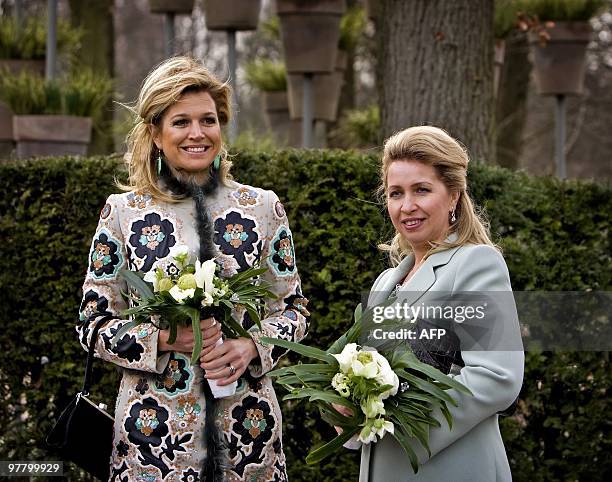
(422, 190)
(180, 122)
(210, 120)
(394, 194)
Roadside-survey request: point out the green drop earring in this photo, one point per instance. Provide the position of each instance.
(217, 162)
(159, 163)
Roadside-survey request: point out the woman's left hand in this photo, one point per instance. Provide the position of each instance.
(218, 360)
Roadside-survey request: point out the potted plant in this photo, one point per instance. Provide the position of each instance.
(270, 77)
(171, 6)
(22, 48)
(54, 117)
(231, 14)
(559, 32)
(327, 86)
(311, 23)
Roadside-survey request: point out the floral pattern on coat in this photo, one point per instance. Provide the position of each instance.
(160, 421)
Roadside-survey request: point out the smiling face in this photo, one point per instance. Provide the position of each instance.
(190, 135)
(418, 203)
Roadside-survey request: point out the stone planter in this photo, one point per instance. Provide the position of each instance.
(326, 92)
(232, 14)
(560, 64)
(171, 6)
(276, 107)
(500, 52)
(15, 66)
(51, 135)
(310, 30)
(372, 9)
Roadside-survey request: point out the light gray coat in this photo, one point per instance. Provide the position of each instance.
(473, 450)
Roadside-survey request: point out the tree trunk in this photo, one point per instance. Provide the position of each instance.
(436, 68)
(97, 53)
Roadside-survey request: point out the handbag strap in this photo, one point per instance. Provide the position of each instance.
(90, 354)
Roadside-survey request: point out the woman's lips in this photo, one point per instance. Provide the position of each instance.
(195, 149)
(412, 224)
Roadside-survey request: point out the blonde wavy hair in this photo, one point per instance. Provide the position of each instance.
(162, 88)
(434, 147)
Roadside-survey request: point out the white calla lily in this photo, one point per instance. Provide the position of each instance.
(204, 274)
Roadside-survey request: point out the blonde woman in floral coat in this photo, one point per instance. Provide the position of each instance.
(167, 425)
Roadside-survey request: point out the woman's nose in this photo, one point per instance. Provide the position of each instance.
(409, 204)
(196, 131)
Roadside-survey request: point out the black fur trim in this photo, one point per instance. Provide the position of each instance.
(217, 458)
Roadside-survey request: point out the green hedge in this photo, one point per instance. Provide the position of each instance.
(555, 236)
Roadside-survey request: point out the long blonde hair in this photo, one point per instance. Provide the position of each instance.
(434, 147)
(162, 88)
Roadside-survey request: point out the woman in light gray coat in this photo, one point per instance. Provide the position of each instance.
(442, 249)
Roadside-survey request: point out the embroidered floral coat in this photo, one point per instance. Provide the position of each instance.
(160, 410)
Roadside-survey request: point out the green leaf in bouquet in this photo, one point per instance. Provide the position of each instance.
(244, 276)
(253, 314)
(137, 283)
(314, 395)
(304, 379)
(404, 440)
(335, 418)
(236, 329)
(447, 416)
(329, 448)
(123, 330)
(426, 386)
(409, 360)
(417, 414)
(307, 351)
(194, 315)
(306, 368)
(173, 333)
(351, 336)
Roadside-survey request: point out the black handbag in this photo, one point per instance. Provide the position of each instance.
(83, 432)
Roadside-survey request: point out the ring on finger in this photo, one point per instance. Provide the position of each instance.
(232, 370)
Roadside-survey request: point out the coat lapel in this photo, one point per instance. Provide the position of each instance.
(422, 280)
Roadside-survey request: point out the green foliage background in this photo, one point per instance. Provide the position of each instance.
(555, 236)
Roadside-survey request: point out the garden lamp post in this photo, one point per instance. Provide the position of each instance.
(232, 16)
(560, 64)
(310, 32)
(51, 52)
(170, 8)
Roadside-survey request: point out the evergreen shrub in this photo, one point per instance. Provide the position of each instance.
(555, 236)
